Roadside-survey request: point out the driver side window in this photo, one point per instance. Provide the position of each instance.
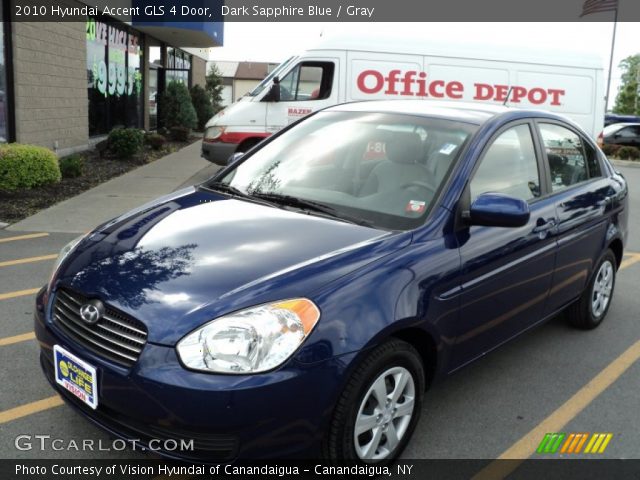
(509, 166)
(307, 81)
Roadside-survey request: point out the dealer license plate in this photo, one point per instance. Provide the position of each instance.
(76, 375)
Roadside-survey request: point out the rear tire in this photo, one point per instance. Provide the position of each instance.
(379, 408)
(589, 310)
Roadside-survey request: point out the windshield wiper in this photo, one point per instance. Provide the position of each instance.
(225, 188)
(309, 205)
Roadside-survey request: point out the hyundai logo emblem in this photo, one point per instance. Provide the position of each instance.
(92, 311)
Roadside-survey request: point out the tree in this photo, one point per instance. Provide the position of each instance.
(627, 101)
(202, 104)
(213, 87)
(177, 109)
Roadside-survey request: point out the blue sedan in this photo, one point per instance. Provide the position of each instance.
(301, 302)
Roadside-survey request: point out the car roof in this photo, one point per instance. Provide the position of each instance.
(476, 113)
(622, 124)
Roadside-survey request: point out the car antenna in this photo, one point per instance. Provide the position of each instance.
(507, 99)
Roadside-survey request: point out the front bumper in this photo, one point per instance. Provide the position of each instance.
(280, 414)
(218, 152)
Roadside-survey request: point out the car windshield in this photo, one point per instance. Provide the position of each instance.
(268, 78)
(382, 170)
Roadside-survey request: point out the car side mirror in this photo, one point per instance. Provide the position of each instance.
(498, 210)
(234, 158)
(273, 95)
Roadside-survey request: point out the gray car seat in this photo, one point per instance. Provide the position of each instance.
(402, 166)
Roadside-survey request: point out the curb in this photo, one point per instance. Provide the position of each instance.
(625, 163)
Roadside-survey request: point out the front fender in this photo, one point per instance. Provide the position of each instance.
(407, 290)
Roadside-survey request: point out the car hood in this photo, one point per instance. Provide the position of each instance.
(189, 258)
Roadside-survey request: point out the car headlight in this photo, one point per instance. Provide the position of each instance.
(250, 341)
(212, 133)
(64, 253)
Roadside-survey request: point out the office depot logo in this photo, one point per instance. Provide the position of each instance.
(412, 83)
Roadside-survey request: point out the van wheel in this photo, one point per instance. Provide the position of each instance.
(379, 408)
(589, 311)
(247, 145)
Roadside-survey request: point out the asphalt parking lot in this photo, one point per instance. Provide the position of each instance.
(554, 379)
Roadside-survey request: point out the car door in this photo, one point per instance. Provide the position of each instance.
(581, 195)
(506, 272)
(308, 87)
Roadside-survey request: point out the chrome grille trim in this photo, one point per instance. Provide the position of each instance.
(115, 336)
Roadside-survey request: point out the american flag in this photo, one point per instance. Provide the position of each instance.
(595, 6)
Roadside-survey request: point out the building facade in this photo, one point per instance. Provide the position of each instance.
(239, 78)
(65, 85)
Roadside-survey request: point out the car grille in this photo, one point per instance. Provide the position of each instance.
(115, 336)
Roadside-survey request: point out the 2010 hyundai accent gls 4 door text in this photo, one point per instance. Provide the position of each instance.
(301, 302)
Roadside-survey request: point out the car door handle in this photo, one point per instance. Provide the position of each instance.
(605, 201)
(543, 225)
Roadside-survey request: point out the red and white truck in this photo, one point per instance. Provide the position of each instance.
(346, 69)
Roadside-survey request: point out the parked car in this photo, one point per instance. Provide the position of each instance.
(623, 134)
(302, 301)
(611, 118)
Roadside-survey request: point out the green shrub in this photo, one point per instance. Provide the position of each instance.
(102, 147)
(628, 153)
(126, 142)
(71, 166)
(177, 109)
(27, 166)
(202, 104)
(180, 134)
(609, 149)
(155, 140)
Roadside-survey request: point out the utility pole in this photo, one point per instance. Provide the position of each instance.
(637, 85)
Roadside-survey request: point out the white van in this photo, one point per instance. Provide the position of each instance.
(342, 70)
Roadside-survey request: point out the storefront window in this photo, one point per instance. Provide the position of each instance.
(4, 111)
(178, 66)
(114, 73)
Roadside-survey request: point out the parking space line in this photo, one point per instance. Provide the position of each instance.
(20, 261)
(630, 260)
(23, 237)
(16, 339)
(524, 448)
(30, 408)
(19, 293)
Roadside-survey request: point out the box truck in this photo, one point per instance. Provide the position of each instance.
(344, 69)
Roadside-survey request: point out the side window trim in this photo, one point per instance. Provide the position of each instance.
(544, 186)
(545, 160)
(326, 81)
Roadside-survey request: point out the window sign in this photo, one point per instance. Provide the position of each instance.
(114, 59)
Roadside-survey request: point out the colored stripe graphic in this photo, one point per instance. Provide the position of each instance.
(573, 443)
(598, 443)
(550, 443)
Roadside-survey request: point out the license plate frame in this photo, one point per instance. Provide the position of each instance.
(78, 377)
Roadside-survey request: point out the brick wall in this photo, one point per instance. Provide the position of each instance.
(50, 79)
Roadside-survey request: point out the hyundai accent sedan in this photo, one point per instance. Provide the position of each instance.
(301, 302)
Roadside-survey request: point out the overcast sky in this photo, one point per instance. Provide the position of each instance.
(274, 42)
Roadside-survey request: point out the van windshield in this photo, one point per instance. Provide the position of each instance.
(260, 87)
(376, 169)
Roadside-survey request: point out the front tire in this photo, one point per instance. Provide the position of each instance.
(589, 311)
(379, 408)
